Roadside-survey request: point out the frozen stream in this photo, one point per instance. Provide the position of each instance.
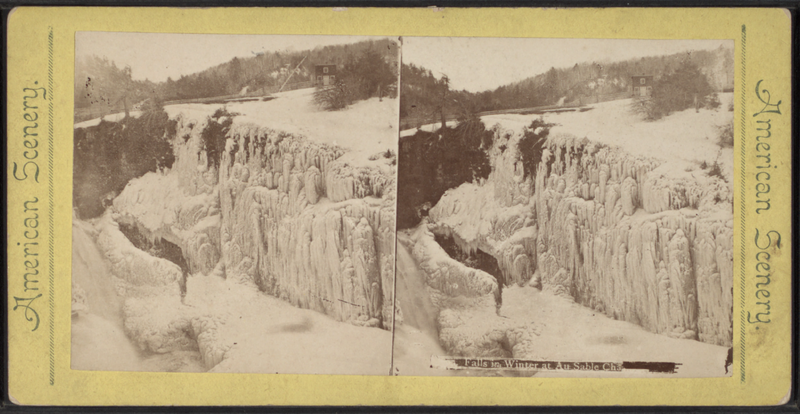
(98, 337)
(416, 339)
(251, 331)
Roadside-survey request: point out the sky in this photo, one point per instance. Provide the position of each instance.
(477, 64)
(474, 64)
(157, 56)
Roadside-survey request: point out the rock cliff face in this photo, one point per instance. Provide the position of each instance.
(281, 213)
(626, 235)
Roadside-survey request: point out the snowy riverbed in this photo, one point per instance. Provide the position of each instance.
(567, 332)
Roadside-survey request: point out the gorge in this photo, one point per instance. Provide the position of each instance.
(637, 235)
(281, 218)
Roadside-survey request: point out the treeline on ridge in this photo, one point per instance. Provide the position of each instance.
(422, 95)
(100, 81)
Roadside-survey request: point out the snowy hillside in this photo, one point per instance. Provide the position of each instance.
(365, 128)
(686, 138)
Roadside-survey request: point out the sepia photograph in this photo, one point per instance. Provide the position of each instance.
(565, 208)
(430, 206)
(234, 203)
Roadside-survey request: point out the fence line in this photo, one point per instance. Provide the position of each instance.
(602, 97)
(98, 111)
(417, 121)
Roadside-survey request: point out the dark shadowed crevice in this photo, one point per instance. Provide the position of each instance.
(160, 247)
(477, 260)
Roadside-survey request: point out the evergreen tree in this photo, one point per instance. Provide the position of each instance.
(687, 86)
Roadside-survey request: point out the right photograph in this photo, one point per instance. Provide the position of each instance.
(565, 208)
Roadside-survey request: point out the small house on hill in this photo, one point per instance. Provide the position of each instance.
(324, 75)
(642, 85)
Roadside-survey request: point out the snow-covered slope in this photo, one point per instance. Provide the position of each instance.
(686, 138)
(363, 129)
(570, 332)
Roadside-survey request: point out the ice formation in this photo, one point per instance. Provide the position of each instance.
(467, 322)
(282, 213)
(624, 234)
(279, 213)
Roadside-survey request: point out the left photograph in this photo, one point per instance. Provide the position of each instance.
(234, 203)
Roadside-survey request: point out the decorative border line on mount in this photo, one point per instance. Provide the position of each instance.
(742, 228)
(51, 197)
